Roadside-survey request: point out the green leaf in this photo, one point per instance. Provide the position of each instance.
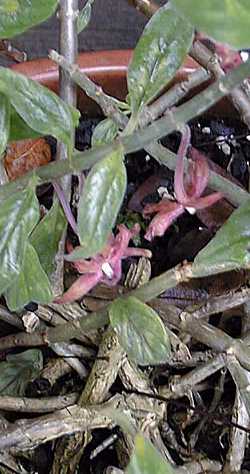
(46, 236)
(146, 459)
(226, 20)
(18, 216)
(140, 331)
(229, 249)
(19, 370)
(16, 16)
(104, 132)
(32, 283)
(99, 205)
(40, 108)
(84, 16)
(4, 122)
(160, 51)
(19, 130)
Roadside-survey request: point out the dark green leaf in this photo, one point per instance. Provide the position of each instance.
(16, 16)
(140, 331)
(40, 108)
(159, 53)
(99, 205)
(19, 130)
(229, 249)
(46, 236)
(32, 283)
(105, 132)
(226, 20)
(4, 122)
(18, 216)
(84, 16)
(146, 459)
(19, 370)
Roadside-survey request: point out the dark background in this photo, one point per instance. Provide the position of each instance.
(114, 25)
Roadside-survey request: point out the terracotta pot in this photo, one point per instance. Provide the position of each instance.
(106, 68)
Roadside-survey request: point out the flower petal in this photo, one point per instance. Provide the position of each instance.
(162, 221)
(179, 187)
(205, 201)
(163, 206)
(80, 287)
(199, 174)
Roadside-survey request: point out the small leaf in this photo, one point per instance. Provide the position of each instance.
(104, 132)
(32, 283)
(19, 370)
(4, 122)
(140, 331)
(226, 21)
(40, 108)
(16, 16)
(18, 216)
(229, 249)
(160, 51)
(19, 130)
(84, 16)
(46, 236)
(100, 202)
(146, 459)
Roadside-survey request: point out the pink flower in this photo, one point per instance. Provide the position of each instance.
(188, 190)
(105, 267)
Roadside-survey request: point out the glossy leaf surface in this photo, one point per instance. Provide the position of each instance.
(84, 16)
(46, 236)
(229, 249)
(104, 132)
(18, 216)
(31, 285)
(140, 330)
(40, 108)
(100, 202)
(4, 122)
(18, 371)
(160, 51)
(226, 21)
(16, 16)
(146, 459)
(19, 130)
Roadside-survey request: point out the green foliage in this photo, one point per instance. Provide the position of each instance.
(4, 122)
(229, 249)
(18, 371)
(40, 108)
(16, 16)
(159, 52)
(18, 216)
(146, 459)
(99, 205)
(140, 331)
(19, 130)
(226, 21)
(105, 132)
(46, 236)
(32, 283)
(84, 16)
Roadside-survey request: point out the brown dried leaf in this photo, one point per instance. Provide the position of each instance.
(26, 155)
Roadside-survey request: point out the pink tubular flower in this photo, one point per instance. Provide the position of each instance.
(188, 190)
(105, 267)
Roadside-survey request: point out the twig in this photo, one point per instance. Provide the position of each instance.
(35, 405)
(238, 437)
(68, 47)
(197, 467)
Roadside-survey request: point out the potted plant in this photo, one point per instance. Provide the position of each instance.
(113, 224)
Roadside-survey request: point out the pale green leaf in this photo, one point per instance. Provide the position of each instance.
(4, 122)
(84, 16)
(18, 371)
(104, 132)
(146, 459)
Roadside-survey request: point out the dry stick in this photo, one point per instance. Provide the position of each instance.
(35, 405)
(234, 193)
(68, 47)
